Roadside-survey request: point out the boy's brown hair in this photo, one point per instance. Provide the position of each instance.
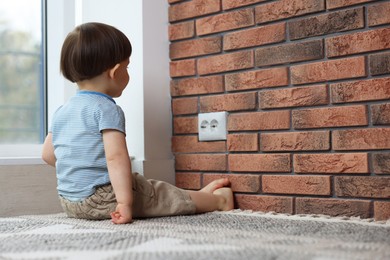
(92, 48)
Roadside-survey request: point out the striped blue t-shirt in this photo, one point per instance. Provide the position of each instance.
(78, 142)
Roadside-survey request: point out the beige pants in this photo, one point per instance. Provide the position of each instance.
(151, 198)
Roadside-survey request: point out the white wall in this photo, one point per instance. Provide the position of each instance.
(127, 17)
(157, 108)
(60, 21)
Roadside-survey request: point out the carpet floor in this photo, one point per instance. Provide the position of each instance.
(229, 235)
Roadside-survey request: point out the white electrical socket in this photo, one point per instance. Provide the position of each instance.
(212, 126)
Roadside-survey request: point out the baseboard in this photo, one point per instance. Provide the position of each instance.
(32, 189)
(28, 189)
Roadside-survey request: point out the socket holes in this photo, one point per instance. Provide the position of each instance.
(204, 124)
(214, 124)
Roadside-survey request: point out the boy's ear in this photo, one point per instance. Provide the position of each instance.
(112, 71)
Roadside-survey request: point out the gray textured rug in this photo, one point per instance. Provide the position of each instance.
(232, 235)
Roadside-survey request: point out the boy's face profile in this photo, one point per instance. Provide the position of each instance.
(122, 78)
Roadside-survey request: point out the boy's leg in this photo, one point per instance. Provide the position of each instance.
(154, 198)
(216, 184)
(213, 197)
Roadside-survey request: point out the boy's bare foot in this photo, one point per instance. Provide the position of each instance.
(216, 184)
(227, 201)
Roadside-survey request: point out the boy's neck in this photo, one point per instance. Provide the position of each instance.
(96, 84)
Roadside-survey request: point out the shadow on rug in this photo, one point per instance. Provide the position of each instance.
(231, 235)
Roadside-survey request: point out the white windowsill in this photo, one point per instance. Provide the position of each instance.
(21, 154)
(21, 161)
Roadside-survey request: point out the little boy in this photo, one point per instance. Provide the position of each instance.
(86, 142)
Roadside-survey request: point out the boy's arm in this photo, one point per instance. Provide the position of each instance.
(48, 151)
(119, 169)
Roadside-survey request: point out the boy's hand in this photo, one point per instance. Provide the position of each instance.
(122, 214)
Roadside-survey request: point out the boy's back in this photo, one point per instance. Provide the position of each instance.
(77, 139)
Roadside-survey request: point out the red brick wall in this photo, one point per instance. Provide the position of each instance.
(307, 87)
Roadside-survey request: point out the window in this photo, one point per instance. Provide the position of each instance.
(53, 19)
(22, 61)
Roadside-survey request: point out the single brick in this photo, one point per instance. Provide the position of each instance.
(294, 97)
(226, 62)
(183, 106)
(295, 141)
(275, 120)
(181, 31)
(372, 40)
(379, 14)
(257, 79)
(196, 47)
(287, 8)
(330, 117)
(228, 102)
(289, 184)
(382, 210)
(195, 86)
(333, 22)
(332, 4)
(381, 163)
(200, 162)
(225, 21)
(243, 142)
(331, 163)
(182, 68)
(259, 162)
(380, 114)
(361, 90)
(328, 70)
(185, 125)
(188, 180)
(190, 144)
(362, 187)
(239, 182)
(380, 63)
(231, 4)
(265, 203)
(288, 53)
(333, 207)
(192, 9)
(255, 37)
(361, 139)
